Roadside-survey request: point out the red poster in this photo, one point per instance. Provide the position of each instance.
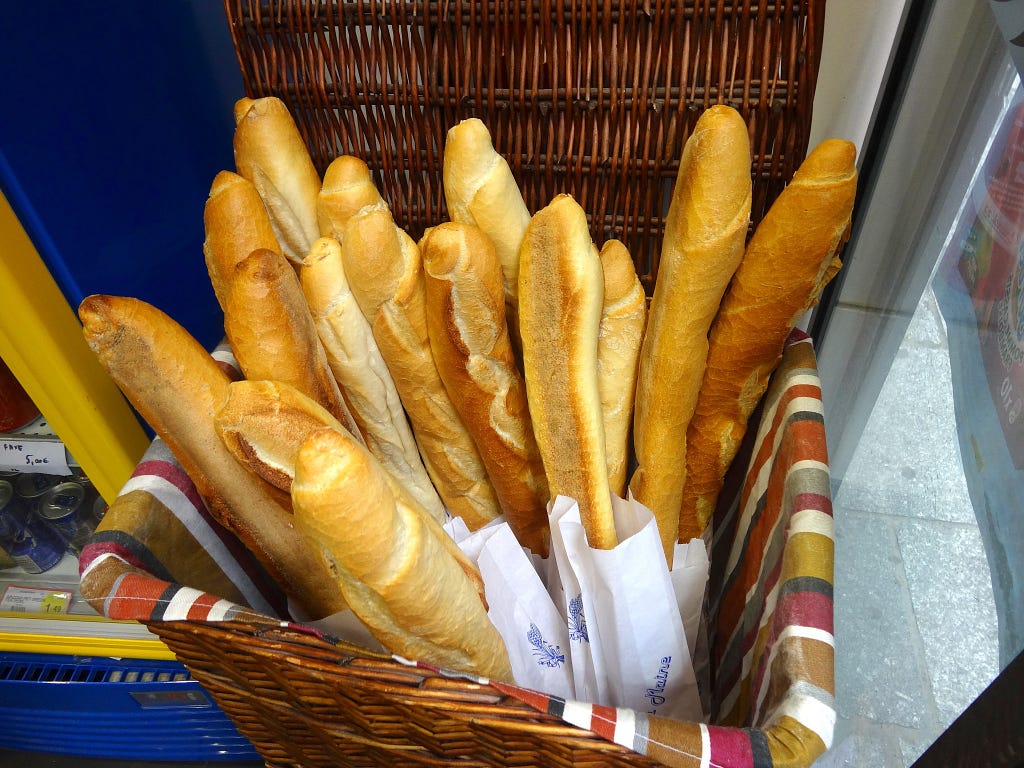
(992, 267)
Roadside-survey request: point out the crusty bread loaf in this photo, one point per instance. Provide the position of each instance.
(623, 318)
(790, 258)
(177, 387)
(236, 224)
(561, 293)
(474, 356)
(705, 231)
(479, 189)
(347, 188)
(385, 272)
(272, 334)
(361, 372)
(264, 423)
(396, 576)
(270, 152)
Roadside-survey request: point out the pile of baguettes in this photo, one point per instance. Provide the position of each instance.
(498, 362)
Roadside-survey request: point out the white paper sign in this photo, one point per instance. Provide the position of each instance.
(33, 455)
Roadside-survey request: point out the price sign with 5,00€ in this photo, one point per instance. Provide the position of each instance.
(33, 455)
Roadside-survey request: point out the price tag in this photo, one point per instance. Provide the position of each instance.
(28, 455)
(34, 600)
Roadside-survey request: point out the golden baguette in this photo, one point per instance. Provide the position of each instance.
(397, 577)
(272, 334)
(385, 272)
(177, 387)
(470, 342)
(270, 152)
(705, 230)
(347, 188)
(479, 189)
(790, 258)
(236, 223)
(561, 290)
(264, 423)
(621, 334)
(361, 372)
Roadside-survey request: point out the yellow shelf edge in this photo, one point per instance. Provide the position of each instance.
(128, 648)
(41, 342)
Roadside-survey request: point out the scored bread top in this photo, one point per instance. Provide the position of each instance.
(561, 293)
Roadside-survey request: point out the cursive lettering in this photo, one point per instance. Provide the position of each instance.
(656, 691)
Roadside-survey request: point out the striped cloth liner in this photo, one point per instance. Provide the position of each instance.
(772, 643)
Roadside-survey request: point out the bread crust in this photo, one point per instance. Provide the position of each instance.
(385, 272)
(621, 334)
(561, 293)
(705, 231)
(361, 372)
(347, 188)
(270, 152)
(790, 258)
(177, 387)
(236, 223)
(480, 190)
(474, 356)
(398, 578)
(272, 333)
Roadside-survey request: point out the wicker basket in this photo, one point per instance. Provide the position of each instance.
(596, 99)
(306, 699)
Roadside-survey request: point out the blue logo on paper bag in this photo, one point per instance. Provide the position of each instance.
(577, 621)
(547, 655)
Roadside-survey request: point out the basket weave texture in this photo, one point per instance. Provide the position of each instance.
(591, 98)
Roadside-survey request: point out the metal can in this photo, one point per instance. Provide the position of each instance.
(31, 486)
(64, 508)
(31, 544)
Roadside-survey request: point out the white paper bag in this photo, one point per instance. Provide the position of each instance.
(638, 655)
(520, 606)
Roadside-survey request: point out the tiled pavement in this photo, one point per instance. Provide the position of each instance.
(914, 612)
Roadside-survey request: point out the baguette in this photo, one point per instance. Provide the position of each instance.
(621, 333)
(272, 333)
(270, 152)
(791, 256)
(177, 387)
(385, 272)
(705, 231)
(236, 224)
(397, 577)
(361, 372)
(479, 189)
(347, 188)
(561, 290)
(470, 342)
(264, 423)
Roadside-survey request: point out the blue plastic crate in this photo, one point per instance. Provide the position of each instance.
(124, 709)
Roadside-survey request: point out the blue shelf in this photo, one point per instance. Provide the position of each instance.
(120, 709)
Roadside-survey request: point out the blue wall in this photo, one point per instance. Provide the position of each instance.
(115, 116)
